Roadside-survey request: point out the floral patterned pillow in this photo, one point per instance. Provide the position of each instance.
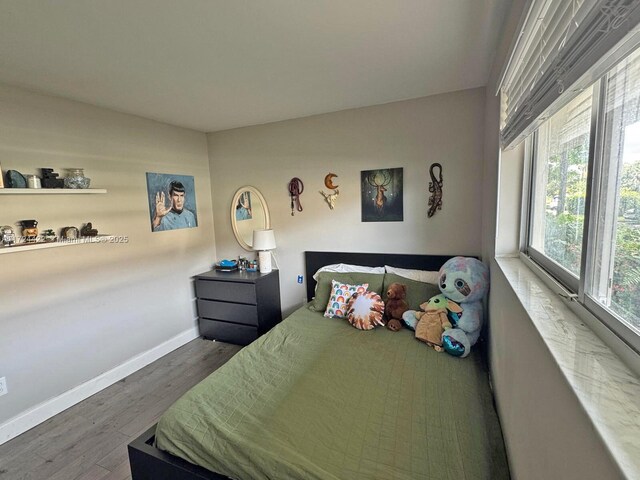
(340, 295)
(364, 310)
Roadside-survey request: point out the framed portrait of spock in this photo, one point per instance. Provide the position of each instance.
(172, 201)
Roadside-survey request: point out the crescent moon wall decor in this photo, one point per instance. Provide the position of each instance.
(328, 181)
(330, 198)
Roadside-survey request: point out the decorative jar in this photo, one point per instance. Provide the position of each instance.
(33, 182)
(8, 236)
(76, 179)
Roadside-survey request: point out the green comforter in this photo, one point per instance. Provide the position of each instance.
(317, 399)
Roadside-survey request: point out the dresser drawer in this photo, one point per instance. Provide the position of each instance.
(237, 307)
(230, 312)
(226, 291)
(228, 332)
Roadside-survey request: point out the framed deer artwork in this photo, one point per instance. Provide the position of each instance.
(382, 194)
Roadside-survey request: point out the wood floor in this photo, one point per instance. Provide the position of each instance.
(89, 440)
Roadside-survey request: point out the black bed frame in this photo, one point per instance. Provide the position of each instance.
(150, 463)
(315, 260)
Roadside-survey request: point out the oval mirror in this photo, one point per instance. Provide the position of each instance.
(249, 212)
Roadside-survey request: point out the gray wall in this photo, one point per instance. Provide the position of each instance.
(69, 314)
(547, 432)
(410, 134)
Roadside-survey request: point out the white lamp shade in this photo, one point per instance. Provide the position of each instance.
(264, 240)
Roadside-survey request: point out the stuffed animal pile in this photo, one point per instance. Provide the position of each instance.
(463, 282)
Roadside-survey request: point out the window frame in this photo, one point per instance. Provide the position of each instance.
(574, 290)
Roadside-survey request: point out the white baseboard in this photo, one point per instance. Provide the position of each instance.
(45, 410)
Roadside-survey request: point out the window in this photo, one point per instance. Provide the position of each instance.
(584, 213)
(561, 184)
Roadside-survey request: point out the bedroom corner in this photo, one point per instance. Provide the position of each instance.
(71, 315)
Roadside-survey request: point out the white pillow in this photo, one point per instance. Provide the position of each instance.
(424, 276)
(345, 268)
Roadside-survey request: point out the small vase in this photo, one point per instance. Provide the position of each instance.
(76, 179)
(33, 182)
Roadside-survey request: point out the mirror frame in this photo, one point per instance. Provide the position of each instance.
(265, 210)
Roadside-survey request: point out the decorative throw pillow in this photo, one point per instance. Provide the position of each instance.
(340, 295)
(364, 310)
(323, 287)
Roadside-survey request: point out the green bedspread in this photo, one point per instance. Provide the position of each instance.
(317, 399)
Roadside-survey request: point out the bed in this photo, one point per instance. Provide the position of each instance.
(317, 399)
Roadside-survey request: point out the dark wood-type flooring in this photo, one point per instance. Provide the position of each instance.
(89, 440)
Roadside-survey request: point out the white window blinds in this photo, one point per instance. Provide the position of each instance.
(564, 45)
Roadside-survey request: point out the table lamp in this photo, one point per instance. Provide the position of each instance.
(263, 242)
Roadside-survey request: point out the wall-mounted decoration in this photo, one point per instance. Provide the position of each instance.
(435, 188)
(242, 225)
(330, 198)
(328, 181)
(172, 201)
(296, 187)
(382, 194)
(243, 207)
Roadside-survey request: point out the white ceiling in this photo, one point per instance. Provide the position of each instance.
(217, 64)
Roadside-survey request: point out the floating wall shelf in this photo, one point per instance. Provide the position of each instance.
(23, 247)
(50, 191)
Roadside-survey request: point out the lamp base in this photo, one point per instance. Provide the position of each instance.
(264, 259)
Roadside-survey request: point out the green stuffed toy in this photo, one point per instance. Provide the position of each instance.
(434, 320)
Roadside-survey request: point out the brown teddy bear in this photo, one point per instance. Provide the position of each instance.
(395, 306)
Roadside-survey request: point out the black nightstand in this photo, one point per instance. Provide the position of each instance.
(237, 307)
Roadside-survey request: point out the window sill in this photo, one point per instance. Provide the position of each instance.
(605, 387)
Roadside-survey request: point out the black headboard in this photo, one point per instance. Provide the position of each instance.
(315, 260)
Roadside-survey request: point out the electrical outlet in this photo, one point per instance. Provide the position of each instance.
(3, 386)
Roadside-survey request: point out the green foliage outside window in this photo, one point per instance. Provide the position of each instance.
(563, 240)
(625, 286)
(564, 220)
